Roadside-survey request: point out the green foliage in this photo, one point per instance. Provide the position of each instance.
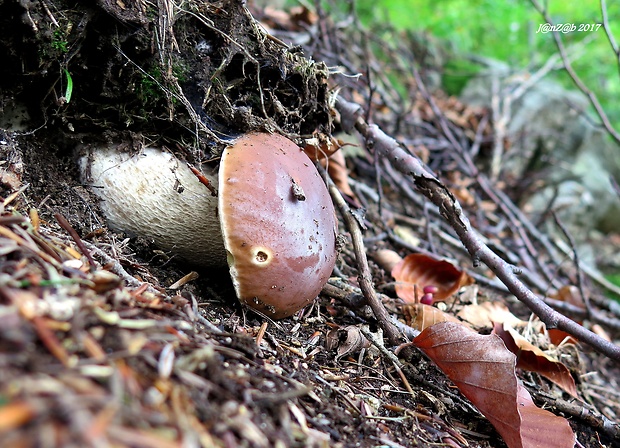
(615, 279)
(507, 30)
(59, 41)
(153, 85)
(456, 74)
(150, 85)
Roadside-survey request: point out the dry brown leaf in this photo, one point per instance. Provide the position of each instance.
(532, 358)
(421, 316)
(569, 294)
(386, 259)
(407, 234)
(600, 331)
(488, 313)
(337, 169)
(348, 339)
(484, 314)
(484, 371)
(461, 187)
(297, 19)
(422, 270)
(322, 146)
(539, 427)
(559, 337)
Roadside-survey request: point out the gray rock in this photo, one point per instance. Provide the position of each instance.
(550, 134)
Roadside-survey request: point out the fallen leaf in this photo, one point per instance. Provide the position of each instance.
(337, 169)
(296, 19)
(484, 371)
(348, 339)
(539, 427)
(489, 313)
(418, 271)
(484, 314)
(386, 259)
(421, 316)
(322, 146)
(559, 337)
(407, 234)
(569, 294)
(600, 331)
(16, 414)
(532, 358)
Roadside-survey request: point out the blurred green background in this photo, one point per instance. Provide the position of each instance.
(506, 30)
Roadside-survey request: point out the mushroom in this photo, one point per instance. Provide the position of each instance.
(272, 221)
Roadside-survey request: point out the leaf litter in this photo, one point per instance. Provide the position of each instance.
(104, 341)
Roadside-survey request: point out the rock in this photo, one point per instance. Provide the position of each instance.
(551, 137)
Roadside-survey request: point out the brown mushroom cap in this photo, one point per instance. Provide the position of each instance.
(278, 223)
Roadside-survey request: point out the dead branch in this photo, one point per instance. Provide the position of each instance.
(364, 276)
(610, 36)
(575, 77)
(451, 211)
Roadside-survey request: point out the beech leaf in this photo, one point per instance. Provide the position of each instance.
(532, 358)
(484, 314)
(419, 270)
(569, 294)
(421, 316)
(322, 146)
(349, 340)
(484, 371)
(338, 172)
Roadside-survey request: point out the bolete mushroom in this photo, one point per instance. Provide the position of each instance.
(272, 221)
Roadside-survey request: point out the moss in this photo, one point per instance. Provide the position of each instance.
(59, 41)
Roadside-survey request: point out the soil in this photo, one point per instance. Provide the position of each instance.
(106, 353)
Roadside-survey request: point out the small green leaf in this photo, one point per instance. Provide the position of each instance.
(69, 89)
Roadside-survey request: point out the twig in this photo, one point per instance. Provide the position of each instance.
(580, 313)
(65, 225)
(614, 184)
(500, 125)
(592, 272)
(501, 107)
(575, 77)
(117, 268)
(451, 211)
(379, 344)
(571, 242)
(592, 418)
(519, 223)
(364, 277)
(610, 36)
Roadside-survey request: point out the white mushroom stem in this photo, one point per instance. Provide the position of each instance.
(154, 195)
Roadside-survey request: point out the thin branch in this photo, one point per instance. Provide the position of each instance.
(610, 36)
(364, 276)
(575, 77)
(501, 108)
(451, 211)
(584, 297)
(65, 225)
(520, 225)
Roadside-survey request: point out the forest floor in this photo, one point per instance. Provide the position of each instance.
(106, 341)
